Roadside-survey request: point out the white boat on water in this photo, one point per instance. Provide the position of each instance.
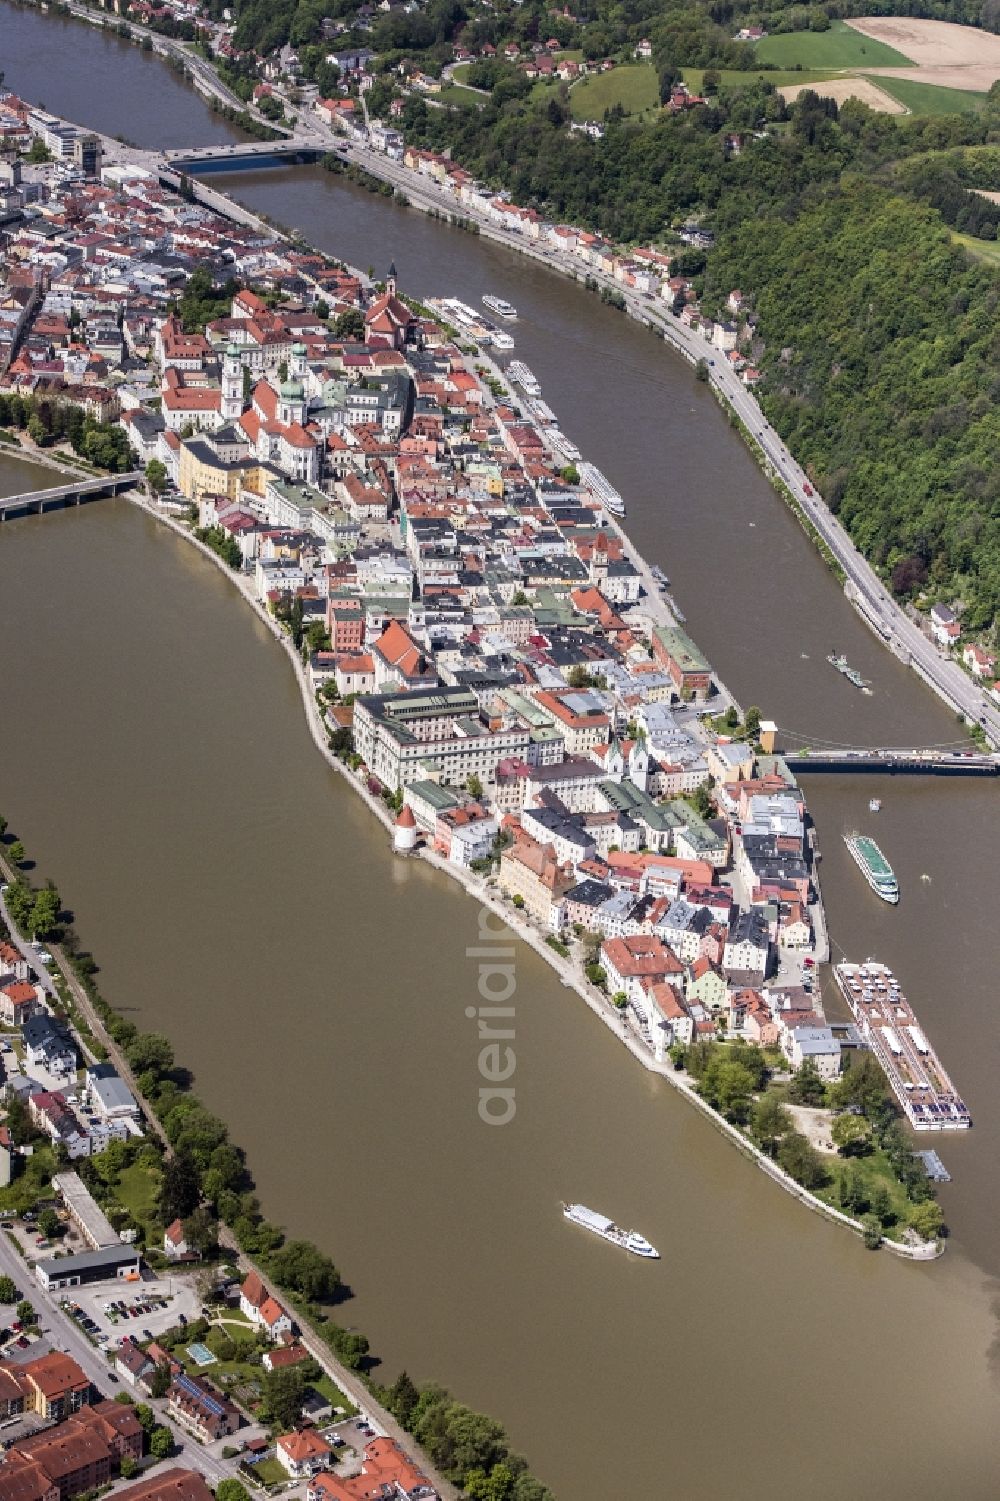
(563, 446)
(599, 1224)
(542, 412)
(602, 489)
(498, 305)
(519, 372)
(874, 805)
(873, 865)
(500, 340)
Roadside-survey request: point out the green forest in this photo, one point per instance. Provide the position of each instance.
(684, 33)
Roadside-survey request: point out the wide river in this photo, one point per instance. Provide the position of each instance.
(238, 897)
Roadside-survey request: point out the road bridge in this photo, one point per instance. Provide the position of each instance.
(76, 493)
(895, 761)
(298, 149)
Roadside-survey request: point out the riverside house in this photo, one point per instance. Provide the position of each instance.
(262, 1309)
(303, 1453)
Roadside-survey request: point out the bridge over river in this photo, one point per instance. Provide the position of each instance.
(959, 759)
(75, 493)
(298, 148)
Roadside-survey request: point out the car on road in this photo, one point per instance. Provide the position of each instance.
(112, 1378)
(807, 489)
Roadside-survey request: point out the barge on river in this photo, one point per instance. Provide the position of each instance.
(888, 1024)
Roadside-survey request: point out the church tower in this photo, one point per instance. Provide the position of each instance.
(390, 281)
(599, 560)
(416, 616)
(638, 765)
(232, 384)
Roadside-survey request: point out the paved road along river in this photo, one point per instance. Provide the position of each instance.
(239, 897)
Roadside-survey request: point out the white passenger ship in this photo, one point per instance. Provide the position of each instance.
(499, 306)
(602, 488)
(519, 372)
(599, 1224)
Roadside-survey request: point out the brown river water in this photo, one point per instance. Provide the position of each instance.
(155, 759)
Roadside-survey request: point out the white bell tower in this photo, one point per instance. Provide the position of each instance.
(232, 384)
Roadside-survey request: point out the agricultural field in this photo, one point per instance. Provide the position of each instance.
(928, 98)
(635, 87)
(841, 89)
(892, 92)
(938, 52)
(840, 47)
(731, 79)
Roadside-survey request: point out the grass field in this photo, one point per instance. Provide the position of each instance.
(782, 78)
(635, 87)
(270, 1472)
(138, 1189)
(928, 98)
(983, 250)
(840, 47)
(334, 1395)
(918, 98)
(453, 93)
(876, 1172)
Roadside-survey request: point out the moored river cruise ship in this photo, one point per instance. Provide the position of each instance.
(889, 1025)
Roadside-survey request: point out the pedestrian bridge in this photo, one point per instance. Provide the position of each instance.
(301, 148)
(76, 493)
